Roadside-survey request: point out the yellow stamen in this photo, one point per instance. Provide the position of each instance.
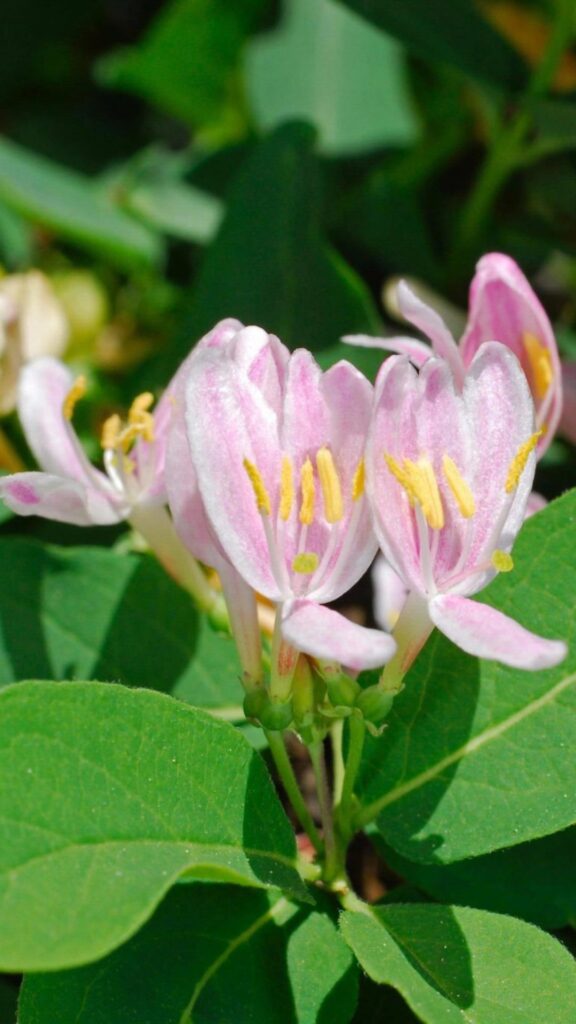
(428, 494)
(459, 487)
(330, 484)
(308, 493)
(359, 481)
(306, 562)
(139, 419)
(541, 372)
(502, 561)
(402, 475)
(77, 391)
(286, 488)
(519, 462)
(419, 481)
(259, 488)
(111, 431)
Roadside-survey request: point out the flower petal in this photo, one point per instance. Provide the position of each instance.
(504, 308)
(417, 351)
(488, 633)
(55, 497)
(324, 633)
(432, 325)
(390, 593)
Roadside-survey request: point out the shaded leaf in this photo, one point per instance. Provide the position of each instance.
(455, 964)
(209, 954)
(108, 797)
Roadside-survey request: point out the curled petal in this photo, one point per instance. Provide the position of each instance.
(323, 633)
(568, 421)
(54, 497)
(488, 633)
(417, 351)
(504, 308)
(390, 593)
(432, 325)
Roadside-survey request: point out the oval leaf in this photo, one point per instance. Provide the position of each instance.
(107, 797)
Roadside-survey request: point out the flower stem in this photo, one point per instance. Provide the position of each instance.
(286, 773)
(357, 733)
(336, 735)
(333, 866)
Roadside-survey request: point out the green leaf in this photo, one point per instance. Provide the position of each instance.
(188, 64)
(535, 881)
(450, 32)
(380, 1004)
(329, 67)
(77, 613)
(209, 955)
(8, 1000)
(71, 205)
(455, 964)
(477, 756)
(108, 797)
(287, 278)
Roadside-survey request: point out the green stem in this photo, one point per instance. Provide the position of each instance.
(286, 773)
(333, 867)
(357, 733)
(338, 769)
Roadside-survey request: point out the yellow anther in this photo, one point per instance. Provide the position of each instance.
(330, 484)
(139, 419)
(259, 487)
(308, 493)
(359, 481)
(402, 475)
(111, 431)
(519, 462)
(502, 561)
(77, 391)
(540, 361)
(419, 481)
(286, 488)
(459, 487)
(428, 494)
(306, 562)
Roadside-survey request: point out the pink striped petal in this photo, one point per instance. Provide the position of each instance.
(488, 633)
(417, 351)
(432, 325)
(323, 633)
(55, 497)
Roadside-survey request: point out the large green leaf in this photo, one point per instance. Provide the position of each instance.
(8, 1000)
(209, 954)
(107, 797)
(269, 263)
(70, 205)
(188, 63)
(535, 881)
(329, 67)
(455, 964)
(450, 31)
(81, 613)
(478, 756)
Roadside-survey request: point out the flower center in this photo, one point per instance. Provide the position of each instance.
(540, 364)
(117, 439)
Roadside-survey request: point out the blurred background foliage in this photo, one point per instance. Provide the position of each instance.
(171, 162)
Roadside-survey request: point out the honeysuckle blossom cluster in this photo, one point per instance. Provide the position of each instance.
(286, 480)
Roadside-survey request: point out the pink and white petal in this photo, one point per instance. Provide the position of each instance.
(417, 351)
(501, 416)
(504, 308)
(323, 633)
(536, 502)
(243, 611)
(488, 633)
(44, 385)
(54, 497)
(568, 420)
(228, 421)
(390, 594)
(432, 325)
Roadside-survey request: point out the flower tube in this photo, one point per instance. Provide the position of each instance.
(503, 307)
(278, 448)
(449, 472)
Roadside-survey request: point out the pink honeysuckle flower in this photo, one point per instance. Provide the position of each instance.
(503, 307)
(568, 420)
(278, 447)
(448, 474)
